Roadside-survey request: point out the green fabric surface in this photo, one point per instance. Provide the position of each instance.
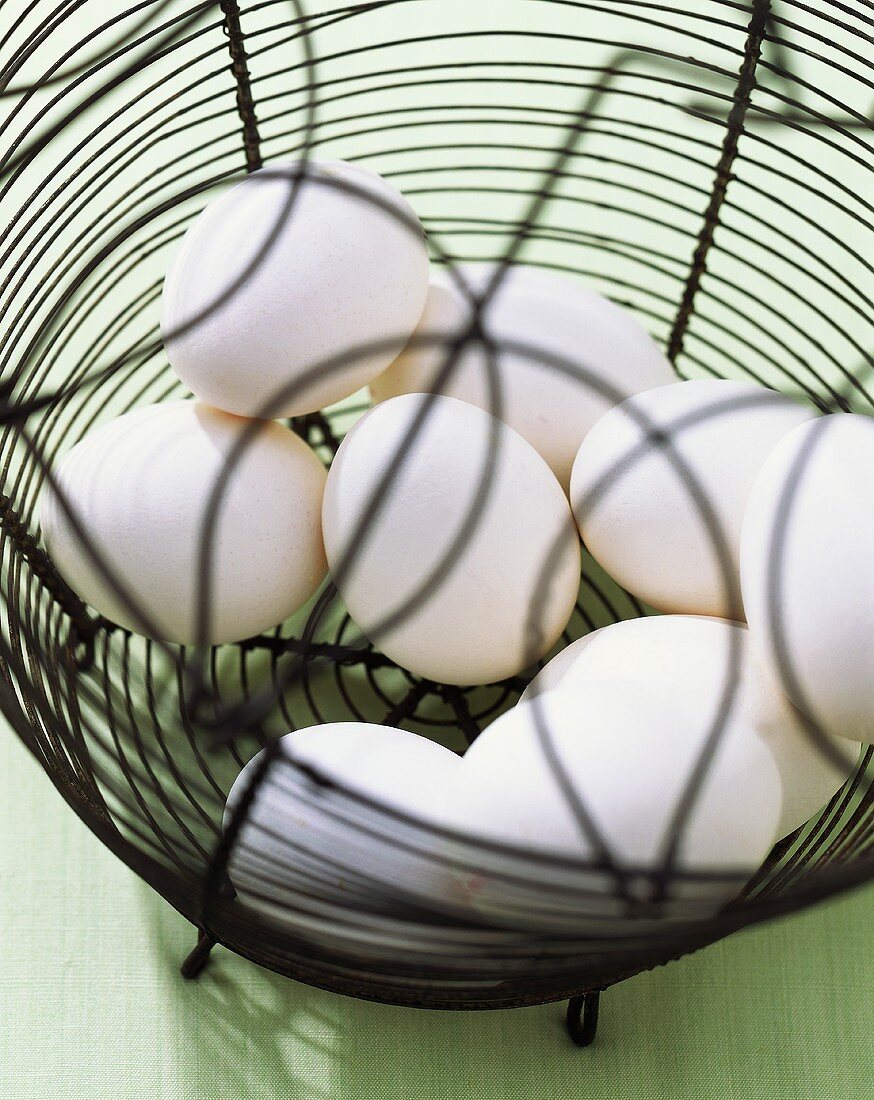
(92, 1006)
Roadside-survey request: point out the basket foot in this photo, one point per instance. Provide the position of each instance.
(582, 1018)
(198, 958)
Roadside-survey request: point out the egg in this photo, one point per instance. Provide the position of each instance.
(601, 767)
(660, 485)
(273, 308)
(807, 570)
(551, 403)
(141, 486)
(470, 567)
(710, 663)
(301, 834)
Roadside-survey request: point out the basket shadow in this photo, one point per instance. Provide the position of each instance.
(241, 1031)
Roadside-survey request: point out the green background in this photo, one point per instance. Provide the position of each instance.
(92, 1006)
(91, 1003)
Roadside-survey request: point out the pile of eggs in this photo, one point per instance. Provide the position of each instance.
(451, 522)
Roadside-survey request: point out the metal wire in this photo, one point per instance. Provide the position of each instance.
(708, 167)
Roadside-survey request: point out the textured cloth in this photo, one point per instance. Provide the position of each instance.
(92, 1006)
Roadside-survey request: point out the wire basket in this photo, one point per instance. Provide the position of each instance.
(704, 164)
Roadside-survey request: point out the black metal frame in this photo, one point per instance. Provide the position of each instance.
(86, 697)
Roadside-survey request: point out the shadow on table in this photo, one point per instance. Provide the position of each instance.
(245, 1032)
(690, 1030)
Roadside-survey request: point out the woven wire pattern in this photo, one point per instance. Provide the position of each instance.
(741, 241)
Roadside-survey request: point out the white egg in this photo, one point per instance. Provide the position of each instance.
(710, 663)
(552, 314)
(616, 758)
(263, 296)
(807, 571)
(470, 568)
(660, 485)
(141, 486)
(302, 834)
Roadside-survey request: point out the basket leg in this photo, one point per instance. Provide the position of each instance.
(582, 1018)
(199, 957)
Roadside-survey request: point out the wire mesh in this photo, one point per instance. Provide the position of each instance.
(706, 165)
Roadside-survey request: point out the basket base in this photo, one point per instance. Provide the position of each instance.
(581, 1018)
(195, 962)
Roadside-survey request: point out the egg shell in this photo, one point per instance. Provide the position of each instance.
(555, 314)
(625, 751)
(302, 835)
(807, 570)
(668, 528)
(508, 583)
(263, 295)
(141, 486)
(692, 658)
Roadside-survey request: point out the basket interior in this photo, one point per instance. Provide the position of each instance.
(739, 239)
